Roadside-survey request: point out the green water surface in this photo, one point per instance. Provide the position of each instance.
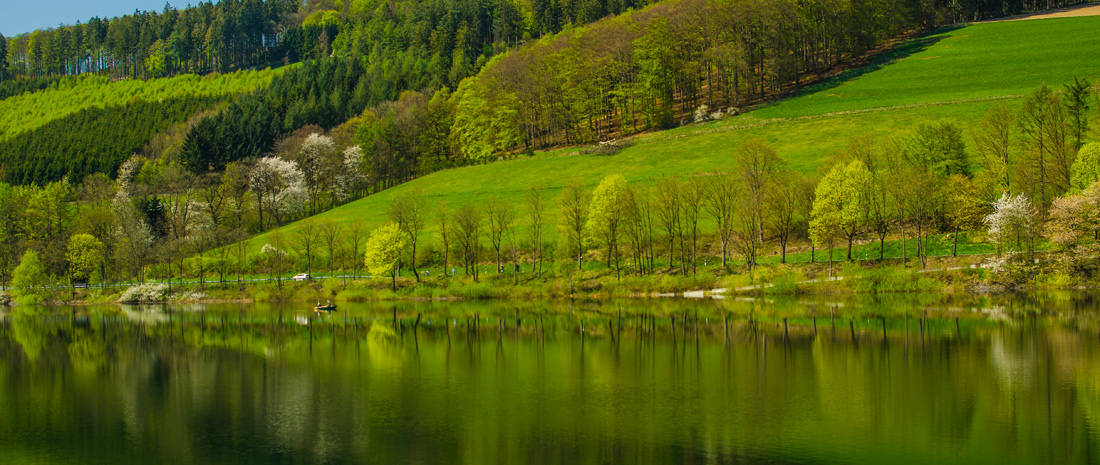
(904, 380)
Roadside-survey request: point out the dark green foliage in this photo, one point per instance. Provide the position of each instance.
(939, 148)
(156, 215)
(12, 88)
(323, 93)
(222, 36)
(3, 59)
(1076, 100)
(90, 141)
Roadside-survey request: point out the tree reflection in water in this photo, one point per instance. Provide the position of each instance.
(905, 379)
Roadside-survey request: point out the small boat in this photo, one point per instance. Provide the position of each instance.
(328, 307)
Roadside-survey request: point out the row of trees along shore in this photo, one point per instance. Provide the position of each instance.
(1032, 172)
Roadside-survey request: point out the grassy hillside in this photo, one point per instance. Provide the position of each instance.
(955, 74)
(72, 94)
(981, 60)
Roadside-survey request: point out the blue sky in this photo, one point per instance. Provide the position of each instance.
(21, 16)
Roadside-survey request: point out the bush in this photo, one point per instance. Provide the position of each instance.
(890, 279)
(1055, 280)
(478, 290)
(143, 293)
(786, 283)
(5, 299)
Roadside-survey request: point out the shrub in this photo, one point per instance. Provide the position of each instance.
(144, 293)
(786, 283)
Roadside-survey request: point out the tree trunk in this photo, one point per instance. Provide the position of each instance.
(412, 262)
(955, 247)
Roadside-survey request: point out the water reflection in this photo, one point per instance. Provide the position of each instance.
(971, 380)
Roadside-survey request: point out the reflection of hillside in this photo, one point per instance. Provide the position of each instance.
(216, 386)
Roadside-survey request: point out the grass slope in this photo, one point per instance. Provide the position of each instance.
(980, 60)
(32, 110)
(955, 74)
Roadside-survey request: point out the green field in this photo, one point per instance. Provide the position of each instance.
(956, 74)
(32, 110)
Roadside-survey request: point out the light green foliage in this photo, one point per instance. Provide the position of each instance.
(384, 249)
(840, 203)
(965, 207)
(155, 64)
(29, 278)
(606, 212)
(606, 208)
(85, 254)
(1086, 169)
(939, 148)
(485, 119)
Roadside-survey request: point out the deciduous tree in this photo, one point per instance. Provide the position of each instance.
(606, 215)
(409, 212)
(384, 249)
(573, 218)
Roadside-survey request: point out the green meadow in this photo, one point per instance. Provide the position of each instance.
(955, 74)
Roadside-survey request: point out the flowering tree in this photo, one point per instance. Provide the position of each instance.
(1012, 216)
(279, 186)
(351, 179)
(274, 258)
(318, 161)
(1074, 222)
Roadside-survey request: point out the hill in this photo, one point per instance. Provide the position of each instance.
(956, 74)
(80, 117)
(31, 110)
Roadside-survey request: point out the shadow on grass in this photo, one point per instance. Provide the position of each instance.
(907, 48)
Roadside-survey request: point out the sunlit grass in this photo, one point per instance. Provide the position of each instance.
(983, 65)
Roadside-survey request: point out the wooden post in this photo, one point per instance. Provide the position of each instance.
(958, 333)
(786, 333)
(852, 328)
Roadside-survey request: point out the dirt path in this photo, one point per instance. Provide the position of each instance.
(1088, 9)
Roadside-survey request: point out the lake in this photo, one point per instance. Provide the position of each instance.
(903, 379)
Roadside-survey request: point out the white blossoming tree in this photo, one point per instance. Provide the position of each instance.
(279, 187)
(351, 179)
(1013, 217)
(319, 163)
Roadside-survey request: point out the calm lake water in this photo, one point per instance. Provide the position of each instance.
(930, 379)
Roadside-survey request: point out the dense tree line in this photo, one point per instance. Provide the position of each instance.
(209, 37)
(91, 140)
(946, 11)
(651, 67)
(11, 88)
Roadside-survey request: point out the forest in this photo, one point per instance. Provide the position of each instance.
(91, 140)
